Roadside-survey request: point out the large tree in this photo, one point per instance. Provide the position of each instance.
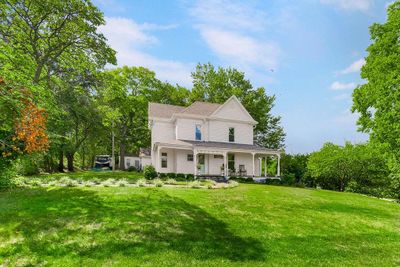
(124, 98)
(217, 85)
(54, 35)
(378, 100)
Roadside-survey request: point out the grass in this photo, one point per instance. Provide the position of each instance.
(91, 175)
(249, 225)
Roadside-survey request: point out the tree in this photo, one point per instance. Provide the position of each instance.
(124, 98)
(334, 166)
(378, 100)
(54, 35)
(217, 85)
(295, 167)
(22, 126)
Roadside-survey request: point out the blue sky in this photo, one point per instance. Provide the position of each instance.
(308, 52)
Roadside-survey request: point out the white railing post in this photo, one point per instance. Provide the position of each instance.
(253, 154)
(195, 163)
(279, 166)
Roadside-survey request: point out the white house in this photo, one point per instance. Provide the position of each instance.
(206, 139)
(138, 161)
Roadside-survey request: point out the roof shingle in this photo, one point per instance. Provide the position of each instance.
(197, 108)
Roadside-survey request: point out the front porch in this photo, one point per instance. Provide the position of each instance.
(208, 160)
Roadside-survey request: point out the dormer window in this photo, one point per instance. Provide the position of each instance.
(198, 132)
(231, 134)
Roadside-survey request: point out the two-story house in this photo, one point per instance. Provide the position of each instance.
(206, 139)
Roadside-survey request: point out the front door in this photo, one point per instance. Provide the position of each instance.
(201, 167)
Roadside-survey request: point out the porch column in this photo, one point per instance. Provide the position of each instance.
(279, 165)
(226, 164)
(265, 167)
(195, 162)
(158, 161)
(253, 154)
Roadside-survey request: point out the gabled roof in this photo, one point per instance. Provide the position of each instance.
(201, 108)
(163, 110)
(198, 108)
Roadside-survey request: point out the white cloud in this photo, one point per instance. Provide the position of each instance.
(129, 39)
(336, 86)
(351, 5)
(235, 32)
(354, 67)
(229, 14)
(240, 49)
(342, 97)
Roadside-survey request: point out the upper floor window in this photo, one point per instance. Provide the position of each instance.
(231, 134)
(198, 132)
(189, 157)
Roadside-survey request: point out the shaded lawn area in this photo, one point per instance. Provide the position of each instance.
(251, 225)
(90, 175)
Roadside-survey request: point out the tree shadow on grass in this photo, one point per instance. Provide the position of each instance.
(81, 223)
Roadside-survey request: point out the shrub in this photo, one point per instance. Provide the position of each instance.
(158, 183)
(195, 184)
(162, 175)
(190, 177)
(132, 169)
(52, 183)
(122, 182)
(63, 180)
(109, 182)
(180, 177)
(71, 183)
(87, 184)
(96, 181)
(149, 172)
(7, 175)
(170, 181)
(141, 182)
(171, 175)
(233, 184)
(27, 165)
(210, 184)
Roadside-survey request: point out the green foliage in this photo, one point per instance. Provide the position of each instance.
(158, 182)
(180, 177)
(28, 165)
(189, 177)
(149, 172)
(333, 167)
(171, 175)
(132, 169)
(293, 168)
(217, 85)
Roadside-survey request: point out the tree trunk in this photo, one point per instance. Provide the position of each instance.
(61, 162)
(122, 148)
(70, 161)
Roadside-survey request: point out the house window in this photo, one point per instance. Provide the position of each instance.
(231, 134)
(198, 132)
(164, 161)
(231, 162)
(218, 157)
(189, 157)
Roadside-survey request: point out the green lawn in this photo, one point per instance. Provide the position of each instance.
(89, 175)
(250, 225)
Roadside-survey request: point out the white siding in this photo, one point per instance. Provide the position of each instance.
(145, 161)
(162, 131)
(186, 129)
(182, 164)
(233, 110)
(246, 160)
(171, 163)
(215, 164)
(219, 132)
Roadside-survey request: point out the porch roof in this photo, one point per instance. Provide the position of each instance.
(219, 145)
